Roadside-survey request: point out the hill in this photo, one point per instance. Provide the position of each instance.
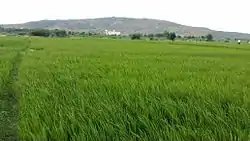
(128, 26)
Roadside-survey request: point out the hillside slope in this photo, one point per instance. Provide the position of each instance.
(128, 26)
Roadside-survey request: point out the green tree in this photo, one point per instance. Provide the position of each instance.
(203, 38)
(40, 32)
(136, 36)
(90, 34)
(60, 33)
(151, 36)
(172, 36)
(227, 40)
(82, 34)
(70, 33)
(209, 37)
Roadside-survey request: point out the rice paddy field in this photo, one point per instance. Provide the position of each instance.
(103, 89)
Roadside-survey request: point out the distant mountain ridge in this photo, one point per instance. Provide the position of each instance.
(128, 26)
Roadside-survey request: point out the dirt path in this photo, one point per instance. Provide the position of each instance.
(9, 106)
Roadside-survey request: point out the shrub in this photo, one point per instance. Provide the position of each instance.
(136, 36)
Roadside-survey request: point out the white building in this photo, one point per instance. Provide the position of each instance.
(112, 33)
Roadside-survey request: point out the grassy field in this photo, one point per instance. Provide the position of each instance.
(99, 89)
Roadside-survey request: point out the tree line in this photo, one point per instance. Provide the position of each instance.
(39, 32)
(167, 35)
(170, 36)
(63, 33)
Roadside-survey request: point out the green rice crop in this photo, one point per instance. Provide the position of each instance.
(99, 89)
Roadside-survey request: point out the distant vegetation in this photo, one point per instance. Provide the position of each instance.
(209, 37)
(35, 32)
(164, 35)
(136, 36)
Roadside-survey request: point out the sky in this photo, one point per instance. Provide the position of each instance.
(223, 15)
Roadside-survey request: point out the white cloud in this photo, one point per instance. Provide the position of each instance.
(229, 15)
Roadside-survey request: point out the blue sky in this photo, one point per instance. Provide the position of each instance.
(225, 15)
